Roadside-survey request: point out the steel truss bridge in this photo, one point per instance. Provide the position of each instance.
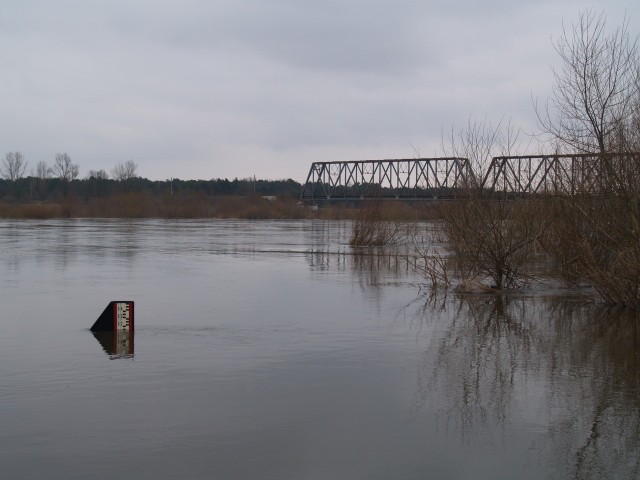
(451, 177)
(416, 178)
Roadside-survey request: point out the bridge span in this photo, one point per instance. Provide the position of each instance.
(401, 178)
(450, 177)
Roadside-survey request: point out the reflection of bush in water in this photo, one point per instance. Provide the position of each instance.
(601, 348)
(375, 268)
(579, 363)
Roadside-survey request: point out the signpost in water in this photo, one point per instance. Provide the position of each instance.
(117, 317)
(114, 329)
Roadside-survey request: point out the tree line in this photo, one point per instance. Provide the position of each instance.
(60, 181)
(14, 167)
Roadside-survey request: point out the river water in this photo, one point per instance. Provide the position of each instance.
(269, 350)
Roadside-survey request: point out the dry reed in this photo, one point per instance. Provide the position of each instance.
(373, 227)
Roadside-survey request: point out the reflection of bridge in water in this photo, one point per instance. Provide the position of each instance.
(448, 177)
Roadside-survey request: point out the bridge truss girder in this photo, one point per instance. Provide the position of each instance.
(448, 177)
(402, 178)
(559, 174)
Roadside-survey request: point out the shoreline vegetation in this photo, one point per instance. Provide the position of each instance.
(192, 205)
(136, 197)
(145, 205)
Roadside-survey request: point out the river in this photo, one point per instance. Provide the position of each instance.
(270, 350)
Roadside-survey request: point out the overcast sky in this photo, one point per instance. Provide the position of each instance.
(200, 89)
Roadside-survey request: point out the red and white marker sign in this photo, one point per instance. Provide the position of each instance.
(123, 316)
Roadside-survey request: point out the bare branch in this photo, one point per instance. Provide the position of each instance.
(98, 174)
(596, 95)
(125, 171)
(42, 170)
(13, 166)
(64, 168)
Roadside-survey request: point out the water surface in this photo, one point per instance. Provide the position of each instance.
(269, 350)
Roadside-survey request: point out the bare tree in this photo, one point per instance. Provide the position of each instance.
(595, 97)
(42, 170)
(64, 168)
(481, 140)
(492, 237)
(13, 166)
(98, 174)
(595, 108)
(125, 171)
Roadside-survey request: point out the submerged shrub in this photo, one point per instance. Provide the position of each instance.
(596, 241)
(371, 228)
(493, 238)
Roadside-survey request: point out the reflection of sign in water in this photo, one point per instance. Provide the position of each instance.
(124, 343)
(114, 329)
(116, 344)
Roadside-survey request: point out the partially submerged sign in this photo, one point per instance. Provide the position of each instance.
(117, 317)
(114, 329)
